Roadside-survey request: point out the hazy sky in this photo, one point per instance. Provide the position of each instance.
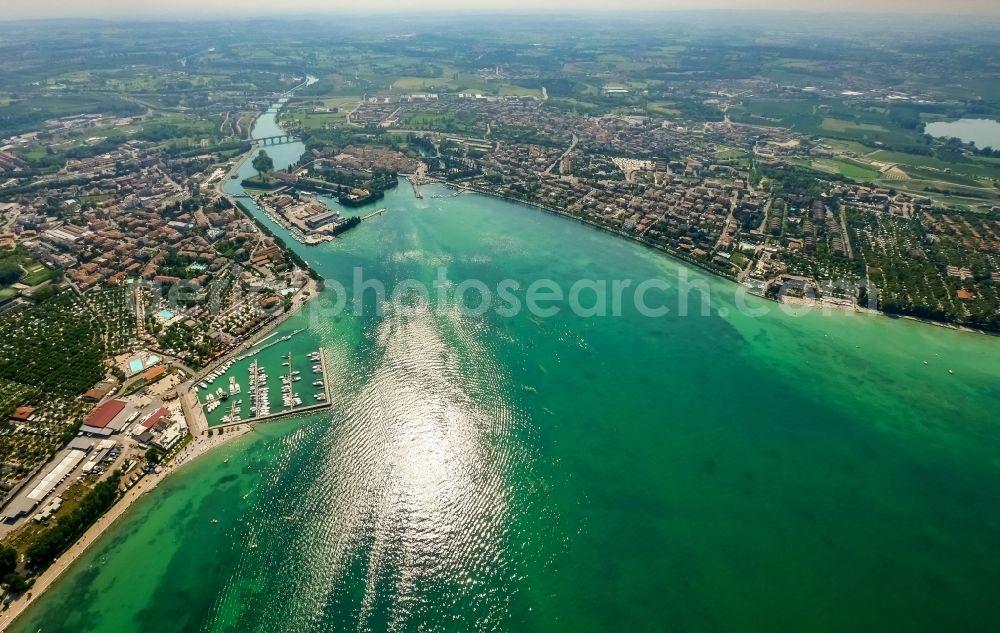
(16, 9)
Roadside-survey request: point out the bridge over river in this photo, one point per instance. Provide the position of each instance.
(278, 139)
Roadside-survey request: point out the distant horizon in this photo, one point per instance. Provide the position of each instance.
(124, 10)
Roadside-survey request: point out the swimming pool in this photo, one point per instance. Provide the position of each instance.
(135, 365)
(166, 314)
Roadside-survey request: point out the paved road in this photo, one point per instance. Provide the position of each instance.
(571, 147)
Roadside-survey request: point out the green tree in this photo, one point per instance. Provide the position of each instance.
(8, 560)
(50, 543)
(17, 583)
(264, 164)
(154, 455)
(10, 273)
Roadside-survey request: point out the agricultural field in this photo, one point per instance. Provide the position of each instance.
(76, 144)
(154, 81)
(849, 169)
(32, 153)
(663, 108)
(866, 123)
(304, 115)
(972, 167)
(730, 153)
(844, 146)
(799, 114)
(180, 130)
(24, 115)
(315, 120)
(423, 84)
(343, 104)
(455, 122)
(577, 106)
(454, 81)
(840, 125)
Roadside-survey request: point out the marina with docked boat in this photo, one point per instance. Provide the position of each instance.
(272, 379)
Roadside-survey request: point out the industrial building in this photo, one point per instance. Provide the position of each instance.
(105, 419)
(64, 463)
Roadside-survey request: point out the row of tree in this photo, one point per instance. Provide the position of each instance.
(53, 541)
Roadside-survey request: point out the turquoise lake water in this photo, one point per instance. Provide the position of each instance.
(521, 473)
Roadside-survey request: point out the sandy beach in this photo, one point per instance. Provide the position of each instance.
(802, 304)
(199, 446)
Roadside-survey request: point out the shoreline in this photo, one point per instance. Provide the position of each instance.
(856, 309)
(198, 447)
(590, 223)
(202, 444)
(948, 326)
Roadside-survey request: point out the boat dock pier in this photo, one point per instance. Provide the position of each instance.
(416, 189)
(268, 337)
(288, 379)
(300, 410)
(374, 213)
(287, 337)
